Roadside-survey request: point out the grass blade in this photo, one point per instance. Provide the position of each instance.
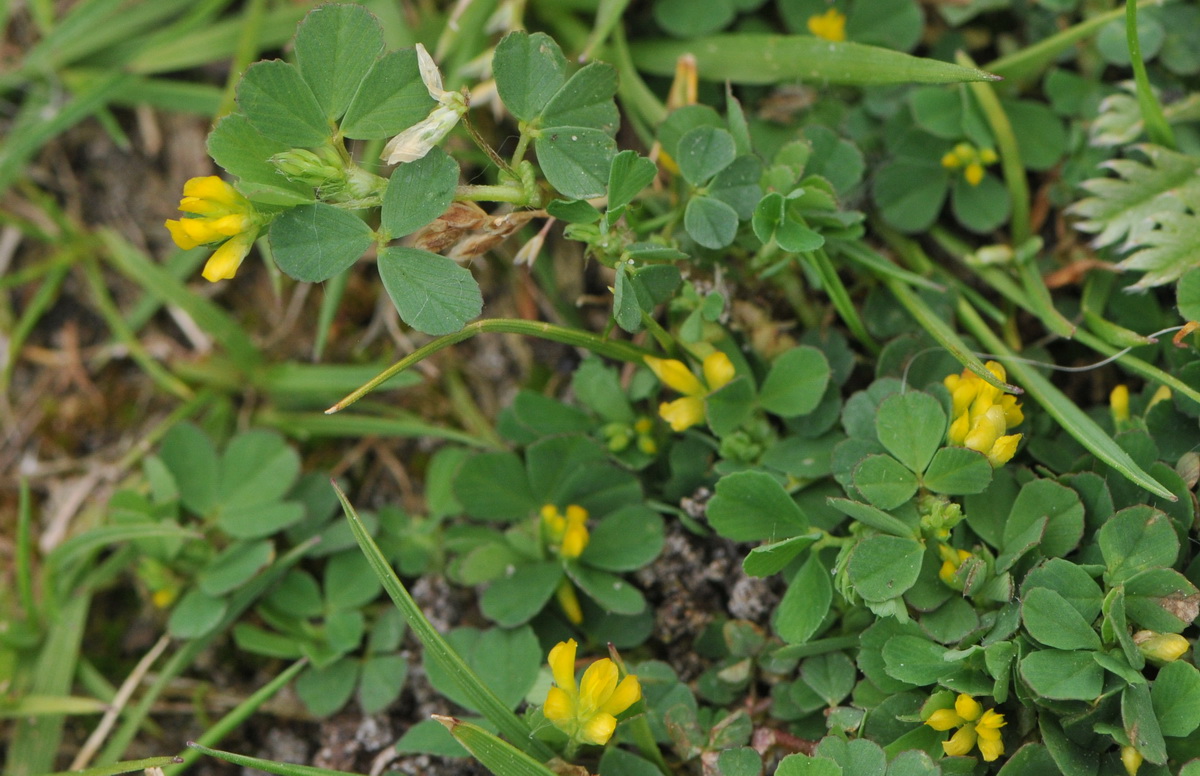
(437, 648)
(498, 756)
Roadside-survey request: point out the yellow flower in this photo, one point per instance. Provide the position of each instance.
(971, 160)
(982, 414)
(587, 712)
(569, 601)
(1131, 758)
(686, 412)
(975, 726)
(568, 532)
(830, 25)
(952, 559)
(1161, 648)
(1118, 401)
(222, 215)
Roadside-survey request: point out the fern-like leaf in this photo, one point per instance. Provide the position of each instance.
(1154, 207)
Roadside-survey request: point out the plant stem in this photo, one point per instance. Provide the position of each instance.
(1152, 113)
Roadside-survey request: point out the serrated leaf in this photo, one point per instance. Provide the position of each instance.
(390, 98)
(335, 48)
(576, 160)
(280, 105)
(529, 69)
(432, 293)
(1167, 252)
(418, 192)
(314, 242)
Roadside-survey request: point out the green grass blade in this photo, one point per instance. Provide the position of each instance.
(48, 705)
(331, 300)
(1028, 62)
(38, 304)
(235, 718)
(270, 766)
(23, 551)
(498, 756)
(35, 742)
(1157, 127)
(436, 647)
(129, 766)
(1074, 420)
(831, 284)
(756, 58)
(307, 425)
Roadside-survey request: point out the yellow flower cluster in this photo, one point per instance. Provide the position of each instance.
(975, 726)
(982, 415)
(567, 533)
(830, 25)
(971, 160)
(684, 413)
(587, 712)
(222, 215)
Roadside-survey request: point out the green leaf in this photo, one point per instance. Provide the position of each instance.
(883, 567)
(876, 518)
(980, 208)
(326, 690)
(432, 293)
(756, 58)
(514, 600)
(234, 566)
(1053, 621)
(796, 382)
(190, 455)
(529, 70)
(383, 678)
(312, 243)
(1167, 252)
(911, 426)
(612, 593)
(958, 471)
(196, 614)
(805, 604)
(803, 765)
(257, 467)
(1187, 295)
(475, 487)
(738, 185)
(626, 540)
(1063, 676)
(576, 160)
(710, 222)
(1141, 724)
(585, 100)
(349, 581)
(752, 506)
(703, 152)
(910, 195)
(280, 105)
(830, 676)
(418, 192)
(243, 151)
(1136, 539)
(627, 176)
(884, 481)
(335, 48)
(916, 659)
(729, 407)
(1061, 508)
(1176, 697)
(1071, 582)
(771, 558)
(1162, 600)
(391, 98)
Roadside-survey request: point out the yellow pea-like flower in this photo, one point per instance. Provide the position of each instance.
(976, 727)
(982, 415)
(221, 215)
(688, 411)
(587, 711)
(830, 25)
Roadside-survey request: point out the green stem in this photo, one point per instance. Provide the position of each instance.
(622, 351)
(1010, 154)
(1152, 113)
(129, 766)
(485, 193)
(818, 647)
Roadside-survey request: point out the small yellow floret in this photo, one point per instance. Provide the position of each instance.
(222, 214)
(688, 411)
(981, 415)
(830, 25)
(975, 726)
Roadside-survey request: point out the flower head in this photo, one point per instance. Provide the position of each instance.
(417, 141)
(975, 726)
(971, 160)
(952, 560)
(686, 412)
(587, 712)
(982, 414)
(221, 215)
(568, 533)
(830, 25)
(1161, 648)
